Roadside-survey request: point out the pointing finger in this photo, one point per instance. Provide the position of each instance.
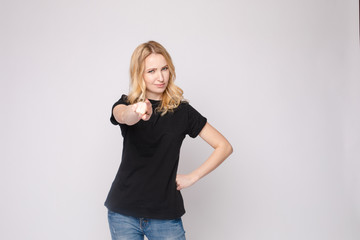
(134, 106)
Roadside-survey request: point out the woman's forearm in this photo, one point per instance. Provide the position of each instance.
(215, 159)
(126, 115)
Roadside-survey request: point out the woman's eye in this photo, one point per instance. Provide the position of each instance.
(165, 68)
(151, 71)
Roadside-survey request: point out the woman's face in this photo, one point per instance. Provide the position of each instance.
(156, 76)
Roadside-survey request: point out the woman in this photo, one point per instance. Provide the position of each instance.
(145, 197)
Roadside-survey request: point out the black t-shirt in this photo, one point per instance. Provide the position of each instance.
(145, 185)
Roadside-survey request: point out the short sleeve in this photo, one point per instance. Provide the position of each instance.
(196, 122)
(122, 100)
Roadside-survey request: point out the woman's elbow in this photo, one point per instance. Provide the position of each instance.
(229, 149)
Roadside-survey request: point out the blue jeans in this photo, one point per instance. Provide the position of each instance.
(130, 228)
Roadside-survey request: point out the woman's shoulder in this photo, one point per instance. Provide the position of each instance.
(183, 104)
(186, 104)
(188, 108)
(123, 100)
(124, 97)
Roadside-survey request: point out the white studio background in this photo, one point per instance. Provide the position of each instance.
(280, 79)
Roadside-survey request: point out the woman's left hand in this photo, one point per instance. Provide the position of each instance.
(184, 181)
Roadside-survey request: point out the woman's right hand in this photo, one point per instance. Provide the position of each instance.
(143, 109)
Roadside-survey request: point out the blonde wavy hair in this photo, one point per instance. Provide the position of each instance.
(171, 97)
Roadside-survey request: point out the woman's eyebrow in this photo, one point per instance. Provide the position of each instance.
(154, 68)
(151, 68)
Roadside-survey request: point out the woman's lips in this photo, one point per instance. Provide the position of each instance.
(160, 85)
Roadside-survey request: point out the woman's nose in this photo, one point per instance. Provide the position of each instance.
(161, 77)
